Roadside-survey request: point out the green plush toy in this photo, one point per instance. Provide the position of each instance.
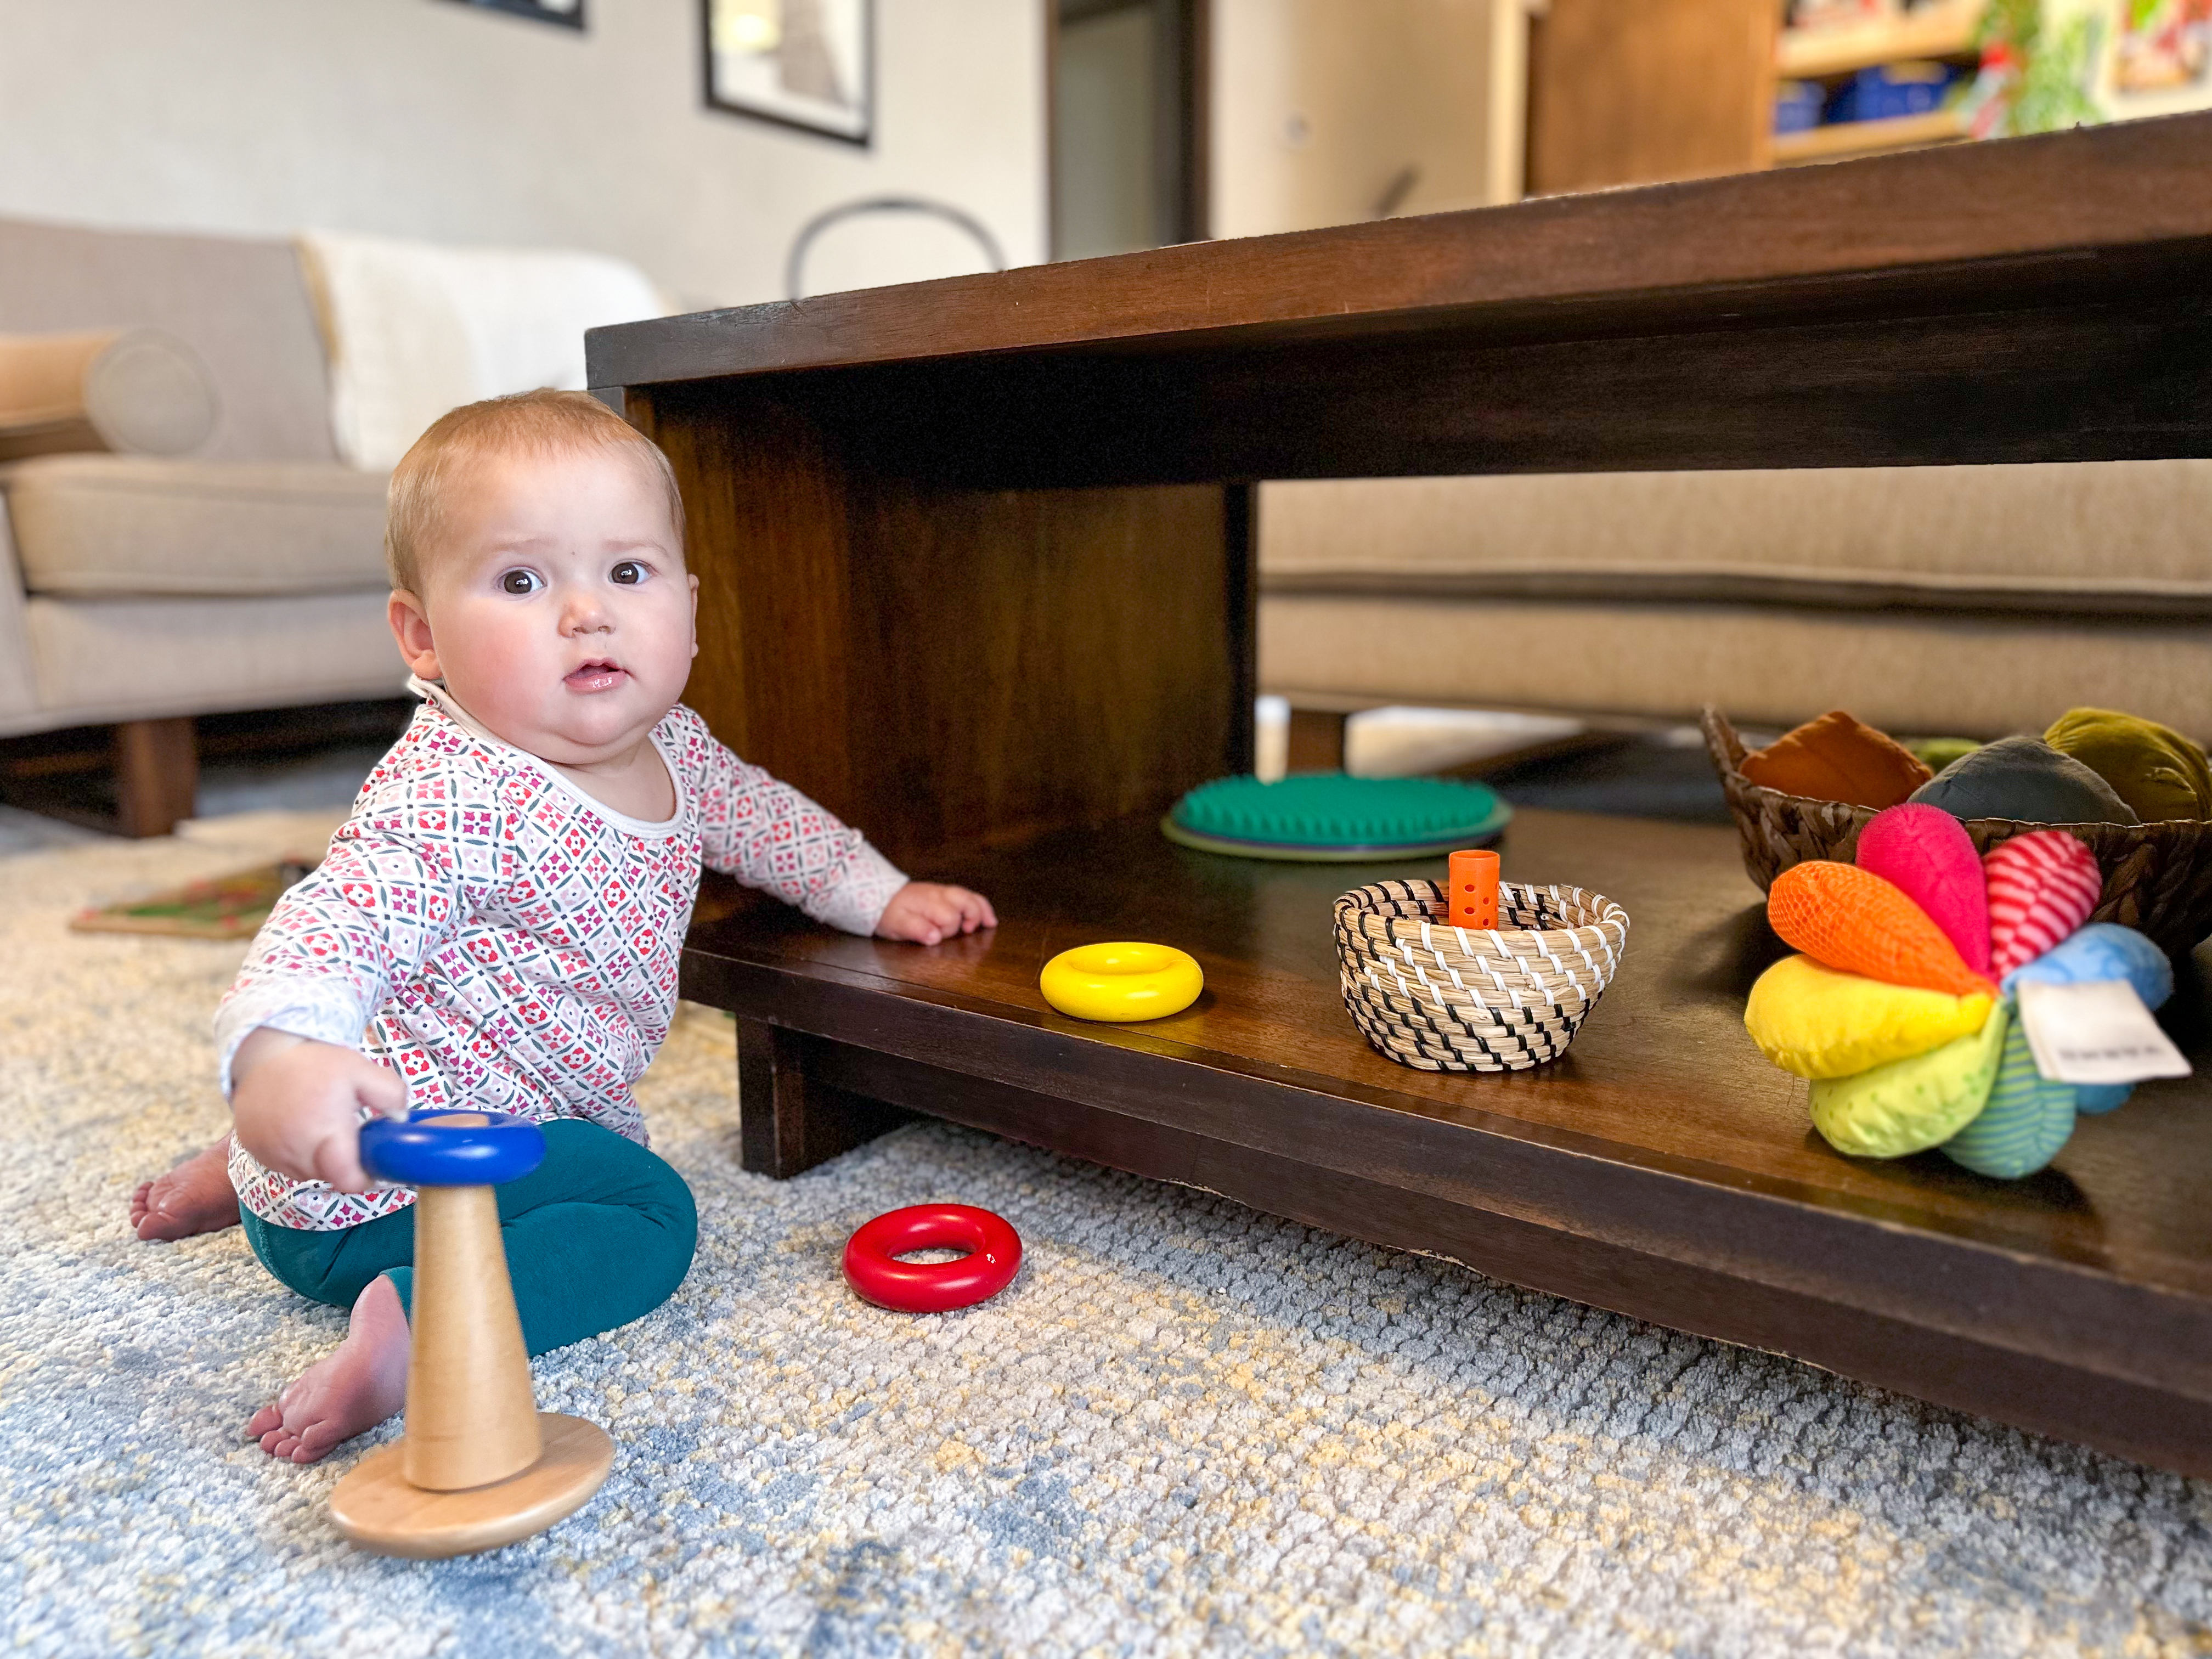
(1911, 1105)
(2159, 772)
(1936, 753)
(2026, 780)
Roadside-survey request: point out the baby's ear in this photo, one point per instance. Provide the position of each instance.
(410, 630)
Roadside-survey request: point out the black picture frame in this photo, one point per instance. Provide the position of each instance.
(569, 14)
(855, 20)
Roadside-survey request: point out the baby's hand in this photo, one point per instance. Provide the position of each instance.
(928, 913)
(297, 1105)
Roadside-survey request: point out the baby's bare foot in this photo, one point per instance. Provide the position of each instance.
(355, 1389)
(195, 1197)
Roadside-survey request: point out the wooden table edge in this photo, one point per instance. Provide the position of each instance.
(2100, 190)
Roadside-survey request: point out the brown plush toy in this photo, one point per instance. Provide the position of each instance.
(1836, 757)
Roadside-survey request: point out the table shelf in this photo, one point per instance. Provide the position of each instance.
(1662, 1168)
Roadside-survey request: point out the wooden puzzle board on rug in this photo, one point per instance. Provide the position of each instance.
(223, 907)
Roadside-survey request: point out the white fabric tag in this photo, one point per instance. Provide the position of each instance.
(2096, 1032)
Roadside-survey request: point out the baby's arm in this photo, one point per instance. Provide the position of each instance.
(768, 836)
(390, 892)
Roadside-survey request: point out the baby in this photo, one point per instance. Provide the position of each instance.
(503, 913)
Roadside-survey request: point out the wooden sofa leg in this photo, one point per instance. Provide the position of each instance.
(1317, 741)
(157, 775)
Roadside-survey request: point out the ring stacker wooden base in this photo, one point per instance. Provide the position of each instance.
(479, 1466)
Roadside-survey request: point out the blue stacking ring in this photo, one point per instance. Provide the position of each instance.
(419, 1153)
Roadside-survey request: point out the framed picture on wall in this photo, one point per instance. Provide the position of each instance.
(569, 13)
(805, 63)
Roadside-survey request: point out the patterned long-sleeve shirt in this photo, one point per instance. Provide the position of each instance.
(506, 943)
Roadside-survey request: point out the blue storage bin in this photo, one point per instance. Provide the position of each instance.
(1798, 105)
(1893, 90)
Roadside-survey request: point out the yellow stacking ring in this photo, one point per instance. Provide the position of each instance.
(1121, 981)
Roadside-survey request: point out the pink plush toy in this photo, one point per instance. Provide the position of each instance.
(1926, 853)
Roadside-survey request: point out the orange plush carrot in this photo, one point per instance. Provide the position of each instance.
(1851, 919)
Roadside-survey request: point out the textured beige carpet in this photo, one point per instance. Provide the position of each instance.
(1187, 1429)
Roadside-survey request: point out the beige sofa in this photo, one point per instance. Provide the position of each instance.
(1973, 601)
(141, 591)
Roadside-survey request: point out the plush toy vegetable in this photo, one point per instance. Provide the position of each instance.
(1902, 1008)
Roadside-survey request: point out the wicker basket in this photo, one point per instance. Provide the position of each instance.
(1447, 998)
(2158, 876)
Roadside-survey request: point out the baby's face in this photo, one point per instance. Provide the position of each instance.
(555, 605)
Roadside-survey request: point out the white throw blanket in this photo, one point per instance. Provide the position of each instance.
(414, 329)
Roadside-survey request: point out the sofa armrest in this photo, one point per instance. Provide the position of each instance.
(18, 693)
(133, 391)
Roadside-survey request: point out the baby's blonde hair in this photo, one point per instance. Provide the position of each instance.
(535, 422)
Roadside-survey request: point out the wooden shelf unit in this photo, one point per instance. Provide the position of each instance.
(1944, 31)
(1828, 144)
(1671, 90)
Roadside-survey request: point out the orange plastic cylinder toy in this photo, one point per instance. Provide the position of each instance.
(1472, 901)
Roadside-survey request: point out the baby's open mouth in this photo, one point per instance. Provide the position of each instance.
(600, 675)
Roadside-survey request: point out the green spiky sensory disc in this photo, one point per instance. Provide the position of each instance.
(1329, 817)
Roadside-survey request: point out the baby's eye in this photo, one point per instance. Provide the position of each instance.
(629, 573)
(521, 582)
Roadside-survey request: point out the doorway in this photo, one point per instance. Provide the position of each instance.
(1128, 128)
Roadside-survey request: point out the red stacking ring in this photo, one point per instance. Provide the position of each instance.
(871, 1268)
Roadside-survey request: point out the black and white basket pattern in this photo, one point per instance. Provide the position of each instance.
(1446, 999)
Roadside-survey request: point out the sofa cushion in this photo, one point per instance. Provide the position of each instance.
(92, 525)
(95, 660)
(1905, 671)
(241, 305)
(2119, 538)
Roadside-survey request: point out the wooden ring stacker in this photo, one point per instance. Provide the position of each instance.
(479, 1466)
(871, 1266)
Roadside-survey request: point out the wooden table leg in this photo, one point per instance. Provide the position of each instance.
(157, 775)
(788, 1123)
(1316, 740)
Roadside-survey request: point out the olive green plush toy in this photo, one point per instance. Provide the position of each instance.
(2158, 772)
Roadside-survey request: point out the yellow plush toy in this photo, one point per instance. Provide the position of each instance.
(1820, 1022)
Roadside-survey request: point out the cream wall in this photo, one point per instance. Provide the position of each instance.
(430, 118)
(1319, 105)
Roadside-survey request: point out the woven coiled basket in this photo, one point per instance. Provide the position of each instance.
(2158, 876)
(1447, 998)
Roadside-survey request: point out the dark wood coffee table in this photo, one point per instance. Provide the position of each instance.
(976, 571)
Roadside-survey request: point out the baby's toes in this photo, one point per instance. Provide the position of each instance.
(314, 1446)
(141, 1201)
(258, 1426)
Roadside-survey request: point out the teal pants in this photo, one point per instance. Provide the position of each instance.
(598, 1235)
